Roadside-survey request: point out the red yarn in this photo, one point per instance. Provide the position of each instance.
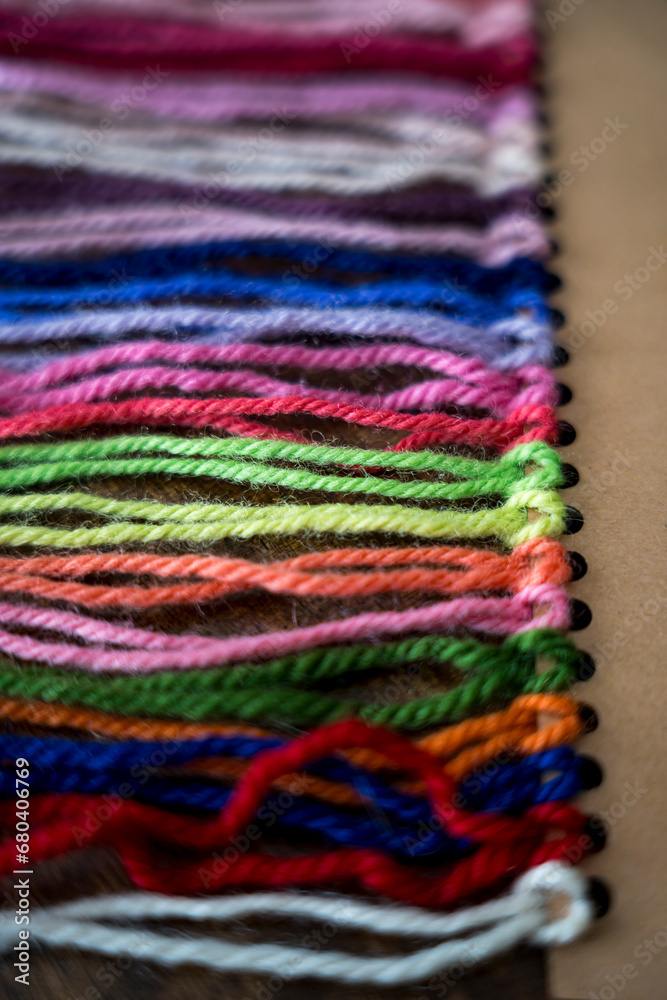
(126, 43)
(529, 423)
(507, 844)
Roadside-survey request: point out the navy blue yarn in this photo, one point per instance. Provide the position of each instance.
(401, 824)
(165, 261)
(221, 285)
(337, 825)
(508, 787)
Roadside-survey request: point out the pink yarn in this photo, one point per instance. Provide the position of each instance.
(478, 23)
(157, 650)
(220, 98)
(467, 381)
(132, 228)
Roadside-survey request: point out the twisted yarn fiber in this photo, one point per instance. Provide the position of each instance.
(476, 294)
(516, 730)
(467, 381)
(273, 692)
(511, 523)
(484, 930)
(383, 224)
(98, 458)
(426, 430)
(462, 278)
(505, 344)
(96, 768)
(526, 841)
(150, 651)
(459, 570)
(128, 227)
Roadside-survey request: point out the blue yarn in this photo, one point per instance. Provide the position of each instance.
(513, 786)
(72, 766)
(167, 260)
(194, 286)
(402, 823)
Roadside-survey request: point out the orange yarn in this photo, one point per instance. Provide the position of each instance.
(460, 569)
(464, 747)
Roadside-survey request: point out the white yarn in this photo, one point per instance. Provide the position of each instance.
(523, 915)
(158, 167)
(345, 133)
(493, 162)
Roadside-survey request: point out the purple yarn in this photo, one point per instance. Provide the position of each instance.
(504, 344)
(31, 190)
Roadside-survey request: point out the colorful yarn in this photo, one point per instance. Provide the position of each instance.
(94, 768)
(518, 729)
(225, 98)
(259, 698)
(426, 204)
(134, 43)
(510, 342)
(467, 381)
(156, 651)
(475, 307)
(525, 842)
(532, 423)
(475, 24)
(218, 459)
(47, 283)
(316, 161)
(504, 240)
(527, 514)
(318, 274)
(459, 571)
(518, 652)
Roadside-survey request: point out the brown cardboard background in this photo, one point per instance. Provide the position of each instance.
(609, 59)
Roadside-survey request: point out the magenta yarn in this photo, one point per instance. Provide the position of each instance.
(467, 381)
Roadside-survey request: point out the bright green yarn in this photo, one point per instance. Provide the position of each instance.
(227, 459)
(247, 693)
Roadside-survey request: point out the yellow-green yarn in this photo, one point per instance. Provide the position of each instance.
(527, 514)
